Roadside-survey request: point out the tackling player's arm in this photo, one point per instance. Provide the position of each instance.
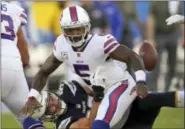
(50, 65)
(82, 123)
(23, 47)
(85, 123)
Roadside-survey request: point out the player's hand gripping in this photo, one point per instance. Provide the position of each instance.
(141, 89)
(31, 105)
(98, 81)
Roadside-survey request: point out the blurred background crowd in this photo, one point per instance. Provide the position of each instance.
(130, 22)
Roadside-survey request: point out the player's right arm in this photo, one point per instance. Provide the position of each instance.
(82, 123)
(85, 123)
(50, 65)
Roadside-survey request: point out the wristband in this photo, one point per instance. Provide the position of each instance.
(140, 75)
(33, 93)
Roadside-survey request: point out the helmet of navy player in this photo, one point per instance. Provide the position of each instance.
(52, 107)
(75, 24)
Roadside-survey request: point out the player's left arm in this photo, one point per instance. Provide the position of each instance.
(23, 47)
(125, 54)
(22, 43)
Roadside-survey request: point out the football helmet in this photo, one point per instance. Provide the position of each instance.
(75, 25)
(52, 107)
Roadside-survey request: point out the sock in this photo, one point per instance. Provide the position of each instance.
(30, 123)
(179, 99)
(100, 124)
(158, 100)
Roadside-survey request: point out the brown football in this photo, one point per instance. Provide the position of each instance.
(149, 55)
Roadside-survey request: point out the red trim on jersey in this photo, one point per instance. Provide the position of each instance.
(109, 42)
(113, 101)
(73, 13)
(111, 47)
(24, 16)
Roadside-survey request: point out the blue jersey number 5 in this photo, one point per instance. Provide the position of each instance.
(83, 71)
(8, 30)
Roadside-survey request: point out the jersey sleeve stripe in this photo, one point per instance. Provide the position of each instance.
(23, 19)
(109, 41)
(110, 44)
(111, 48)
(24, 16)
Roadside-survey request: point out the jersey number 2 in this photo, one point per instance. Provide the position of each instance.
(8, 31)
(83, 71)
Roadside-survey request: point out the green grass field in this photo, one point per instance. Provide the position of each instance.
(168, 118)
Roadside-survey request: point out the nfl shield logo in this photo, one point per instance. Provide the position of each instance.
(64, 55)
(78, 54)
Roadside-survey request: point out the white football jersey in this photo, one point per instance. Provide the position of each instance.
(12, 17)
(95, 53)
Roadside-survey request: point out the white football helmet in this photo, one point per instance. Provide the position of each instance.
(42, 99)
(75, 18)
(49, 101)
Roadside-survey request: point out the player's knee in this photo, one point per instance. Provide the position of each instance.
(100, 124)
(33, 124)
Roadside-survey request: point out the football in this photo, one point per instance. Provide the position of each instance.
(149, 55)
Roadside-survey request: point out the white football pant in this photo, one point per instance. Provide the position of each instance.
(14, 91)
(116, 102)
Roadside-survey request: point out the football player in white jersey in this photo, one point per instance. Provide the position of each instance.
(14, 55)
(84, 53)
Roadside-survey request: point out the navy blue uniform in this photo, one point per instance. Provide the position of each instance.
(76, 101)
(141, 118)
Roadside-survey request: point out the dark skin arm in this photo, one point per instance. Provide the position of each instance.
(50, 65)
(124, 54)
(23, 47)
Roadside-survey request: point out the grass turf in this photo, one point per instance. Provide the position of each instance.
(169, 118)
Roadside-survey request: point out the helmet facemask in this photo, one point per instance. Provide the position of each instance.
(55, 107)
(76, 35)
